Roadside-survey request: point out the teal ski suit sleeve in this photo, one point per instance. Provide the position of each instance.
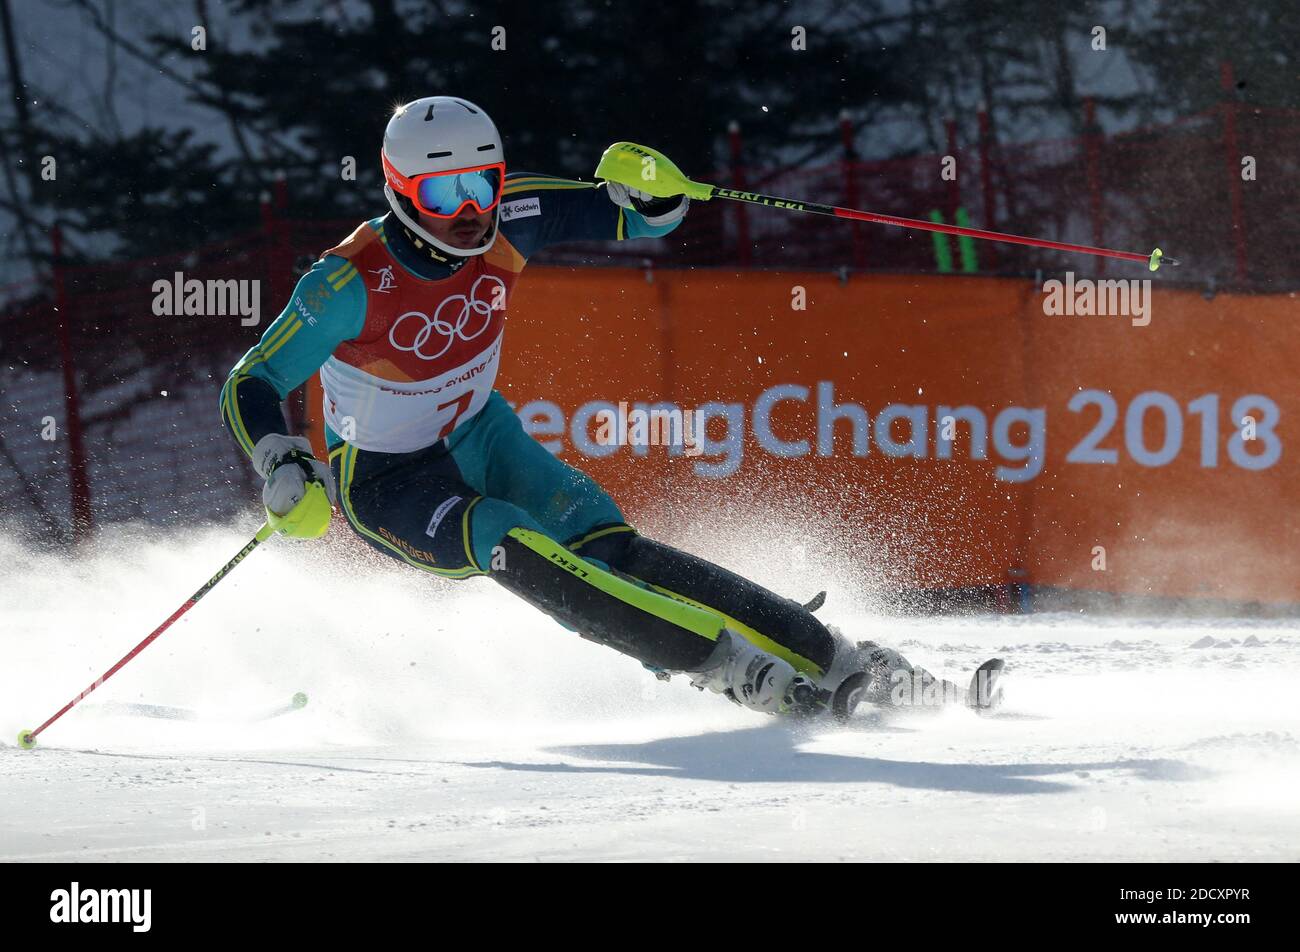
(328, 307)
(541, 210)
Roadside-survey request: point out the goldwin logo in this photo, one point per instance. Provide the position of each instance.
(103, 905)
(523, 208)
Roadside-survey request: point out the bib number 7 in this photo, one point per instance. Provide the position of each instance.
(461, 404)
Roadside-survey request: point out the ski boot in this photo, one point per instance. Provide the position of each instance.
(760, 681)
(867, 672)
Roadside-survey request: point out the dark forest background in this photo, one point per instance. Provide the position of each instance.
(291, 87)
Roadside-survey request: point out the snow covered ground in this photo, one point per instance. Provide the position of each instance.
(453, 723)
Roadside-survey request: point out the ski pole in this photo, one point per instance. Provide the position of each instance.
(27, 738)
(655, 174)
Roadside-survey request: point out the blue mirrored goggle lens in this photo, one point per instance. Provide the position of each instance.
(444, 194)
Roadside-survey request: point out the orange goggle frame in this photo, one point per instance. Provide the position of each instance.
(445, 194)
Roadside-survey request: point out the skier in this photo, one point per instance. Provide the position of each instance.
(404, 321)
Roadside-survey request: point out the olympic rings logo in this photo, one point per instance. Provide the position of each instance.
(472, 308)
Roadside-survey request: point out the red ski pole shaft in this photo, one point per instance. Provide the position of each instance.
(1152, 259)
(988, 235)
(638, 166)
(27, 739)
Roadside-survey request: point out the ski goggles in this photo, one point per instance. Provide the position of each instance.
(444, 194)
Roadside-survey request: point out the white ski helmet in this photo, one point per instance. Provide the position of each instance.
(442, 134)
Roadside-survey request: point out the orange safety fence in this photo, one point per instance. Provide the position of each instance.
(948, 422)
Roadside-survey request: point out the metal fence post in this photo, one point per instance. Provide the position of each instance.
(78, 480)
(1091, 158)
(279, 264)
(1232, 156)
(738, 180)
(849, 164)
(986, 184)
(953, 197)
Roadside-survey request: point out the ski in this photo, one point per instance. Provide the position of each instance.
(985, 692)
(983, 696)
(296, 703)
(172, 713)
(132, 709)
